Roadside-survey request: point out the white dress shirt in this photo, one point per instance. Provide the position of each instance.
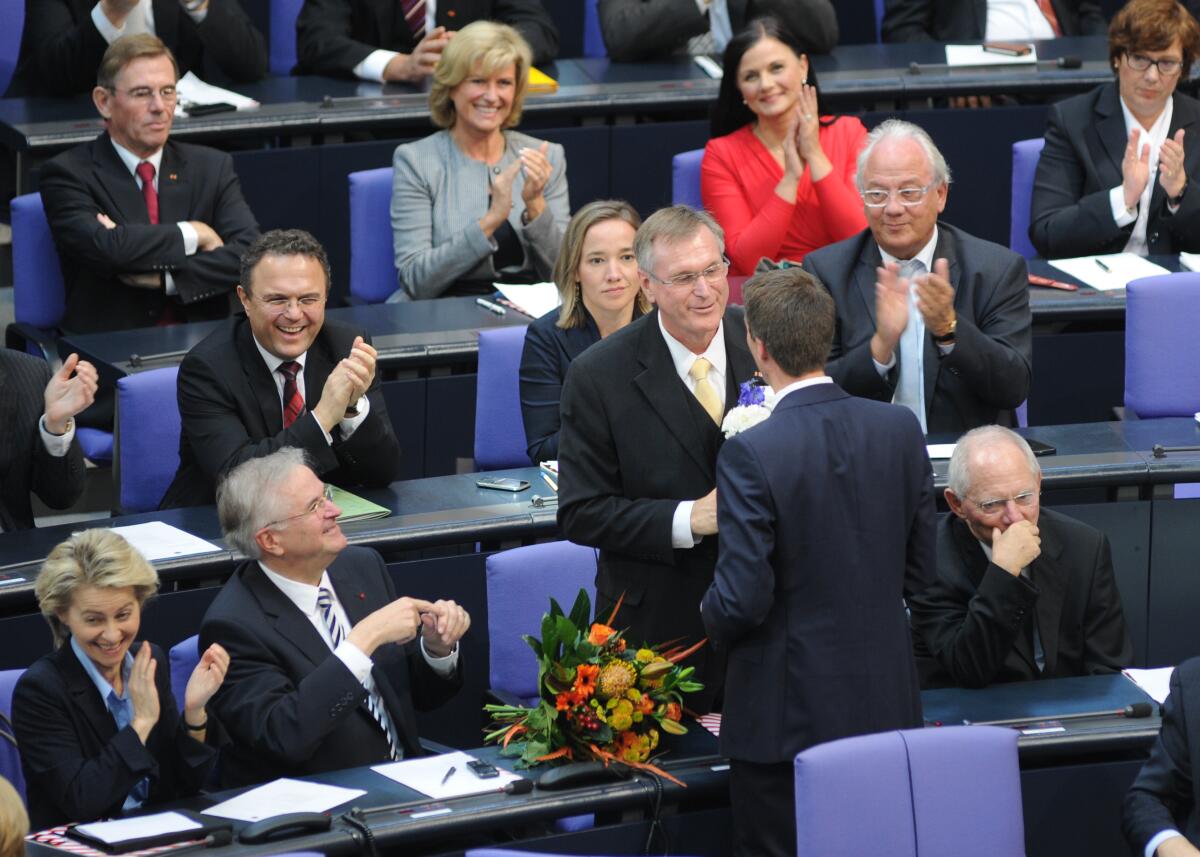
(800, 385)
(347, 425)
(1141, 216)
(1016, 19)
(683, 358)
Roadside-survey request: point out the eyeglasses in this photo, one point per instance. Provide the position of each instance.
(280, 305)
(990, 507)
(878, 198)
(314, 507)
(687, 280)
(145, 94)
(1166, 67)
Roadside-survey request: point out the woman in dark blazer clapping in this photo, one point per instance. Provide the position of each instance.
(597, 278)
(95, 719)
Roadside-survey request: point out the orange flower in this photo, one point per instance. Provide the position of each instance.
(620, 646)
(674, 711)
(599, 634)
(646, 705)
(585, 680)
(562, 702)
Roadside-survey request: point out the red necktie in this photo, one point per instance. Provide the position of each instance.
(293, 402)
(414, 16)
(1048, 11)
(145, 171)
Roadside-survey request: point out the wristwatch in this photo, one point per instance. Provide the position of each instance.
(948, 336)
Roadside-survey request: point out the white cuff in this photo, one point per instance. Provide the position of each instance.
(109, 32)
(943, 349)
(1159, 839)
(355, 660)
(681, 526)
(372, 67)
(169, 283)
(442, 666)
(884, 368)
(1121, 215)
(703, 5)
(56, 445)
(363, 406)
(197, 16)
(191, 238)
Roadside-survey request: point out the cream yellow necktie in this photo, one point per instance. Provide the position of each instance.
(705, 394)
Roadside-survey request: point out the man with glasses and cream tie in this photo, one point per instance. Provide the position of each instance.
(929, 317)
(1021, 593)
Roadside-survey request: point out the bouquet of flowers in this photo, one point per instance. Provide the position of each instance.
(600, 699)
(755, 402)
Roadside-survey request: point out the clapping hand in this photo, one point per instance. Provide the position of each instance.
(71, 389)
(143, 692)
(443, 624)
(537, 169)
(205, 680)
(935, 298)
(1172, 174)
(1135, 168)
(891, 311)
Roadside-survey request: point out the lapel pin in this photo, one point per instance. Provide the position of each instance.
(362, 596)
(173, 177)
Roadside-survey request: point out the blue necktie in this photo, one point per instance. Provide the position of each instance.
(909, 385)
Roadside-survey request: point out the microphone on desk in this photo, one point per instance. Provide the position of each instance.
(1136, 710)
(1160, 451)
(1061, 62)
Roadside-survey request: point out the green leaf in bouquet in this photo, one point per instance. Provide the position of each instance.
(581, 611)
(550, 648)
(533, 643)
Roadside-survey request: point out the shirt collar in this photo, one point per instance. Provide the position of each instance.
(273, 362)
(800, 385)
(102, 685)
(682, 356)
(924, 255)
(131, 161)
(303, 595)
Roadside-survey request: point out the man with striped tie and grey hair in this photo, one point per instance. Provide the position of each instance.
(329, 662)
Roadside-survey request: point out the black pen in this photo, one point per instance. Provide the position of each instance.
(449, 774)
(1103, 267)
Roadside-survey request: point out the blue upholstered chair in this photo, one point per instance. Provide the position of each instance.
(147, 438)
(1025, 157)
(499, 428)
(372, 258)
(939, 792)
(184, 656)
(10, 754)
(12, 12)
(510, 852)
(879, 11)
(282, 50)
(685, 178)
(520, 584)
(593, 38)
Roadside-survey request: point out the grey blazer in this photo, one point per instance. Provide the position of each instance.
(438, 196)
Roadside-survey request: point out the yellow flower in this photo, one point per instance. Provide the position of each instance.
(620, 721)
(653, 735)
(615, 678)
(644, 656)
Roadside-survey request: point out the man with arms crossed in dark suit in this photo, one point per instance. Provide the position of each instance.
(1162, 809)
(149, 231)
(928, 316)
(38, 450)
(325, 664)
(994, 20)
(248, 388)
(402, 40)
(1021, 592)
(826, 516)
(641, 412)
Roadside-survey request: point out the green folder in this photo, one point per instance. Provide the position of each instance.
(355, 508)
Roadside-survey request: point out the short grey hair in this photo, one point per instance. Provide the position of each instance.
(675, 223)
(251, 496)
(898, 129)
(959, 480)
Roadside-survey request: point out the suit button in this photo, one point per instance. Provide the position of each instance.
(1154, 237)
(953, 371)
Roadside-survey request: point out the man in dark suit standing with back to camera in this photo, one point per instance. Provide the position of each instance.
(928, 316)
(281, 375)
(994, 20)
(826, 514)
(641, 415)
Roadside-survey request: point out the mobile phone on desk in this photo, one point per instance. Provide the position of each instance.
(1008, 49)
(483, 770)
(502, 483)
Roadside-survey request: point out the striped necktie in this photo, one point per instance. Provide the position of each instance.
(374, 701)
(414, 16)
(293, 402)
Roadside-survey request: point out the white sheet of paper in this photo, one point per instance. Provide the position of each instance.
(281, 797)
(537, 299)
(957, 55)
(138, 828)
(939, 450)
(425, 775)
(1190, 261)
(156, 540)
(193, 90)
(1122, 267)
(1156, 683)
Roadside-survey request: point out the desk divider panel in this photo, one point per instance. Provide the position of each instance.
(1174, 582)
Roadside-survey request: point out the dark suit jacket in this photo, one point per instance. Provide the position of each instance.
(289, 705)
(61, 47)
(634, 443)
(78, 767)
(194, 183)
(1164, 795)
(957, 20)
(1070, 214)
(974, 626)
(986, 375)
(230, 411)
(652, 29)
(25, 465)
(333, 36)
(826, 515)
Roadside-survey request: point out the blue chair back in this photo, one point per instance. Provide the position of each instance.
(184, 656)
(10, 754)
(685, 178)
(593, 38)
(283, 35)
(1160, 341)
(507, 852)
(499, 427)
(12, 12)
(1025, 157)
(39, 294)
(373, 275)
(879, 12)
(520, 584)
(147, 438)
(932, 792)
